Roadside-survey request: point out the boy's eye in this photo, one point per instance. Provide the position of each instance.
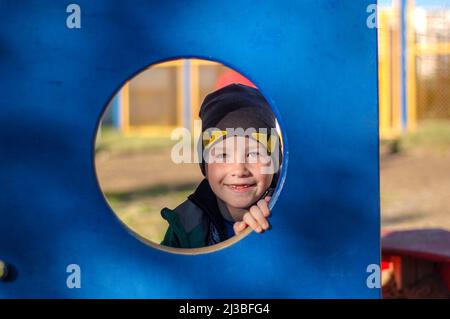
(221, 156)
(254, 154)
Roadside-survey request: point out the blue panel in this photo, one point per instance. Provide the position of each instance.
(314, 60)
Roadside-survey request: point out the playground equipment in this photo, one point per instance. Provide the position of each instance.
(187, 88)
(182, 78)
(416, 254)
(410, 43)
(315, 61)
(409, 46)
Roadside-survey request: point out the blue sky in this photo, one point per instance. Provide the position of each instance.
(424, 3)
(433, 2)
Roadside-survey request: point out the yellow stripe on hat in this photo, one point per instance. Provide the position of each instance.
(266, 140)
(210, 137)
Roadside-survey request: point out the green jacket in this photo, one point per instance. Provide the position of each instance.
(184, 232)
(195, 223)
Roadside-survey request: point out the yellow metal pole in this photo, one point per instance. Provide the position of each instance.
(411, 69)
(195, 93)
(384, 73)
(396, 69)
(125, 108)
(180, 94)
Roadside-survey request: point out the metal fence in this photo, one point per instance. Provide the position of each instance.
(414, 66)
(433, 63)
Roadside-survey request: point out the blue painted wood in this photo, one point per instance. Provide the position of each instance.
(314, 60)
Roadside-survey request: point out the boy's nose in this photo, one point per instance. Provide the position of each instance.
(240, 170)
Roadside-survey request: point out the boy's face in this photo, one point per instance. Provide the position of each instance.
(235, 170)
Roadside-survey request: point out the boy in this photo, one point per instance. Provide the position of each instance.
(237, 187)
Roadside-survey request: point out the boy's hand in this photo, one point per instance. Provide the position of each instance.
(256, 217)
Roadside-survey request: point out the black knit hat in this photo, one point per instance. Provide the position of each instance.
(235, 106)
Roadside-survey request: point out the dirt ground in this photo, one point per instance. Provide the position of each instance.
(132, 171)
(415, 190)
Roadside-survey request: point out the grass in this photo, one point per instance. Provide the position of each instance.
(431, 136)
(153, 191)
(431, 139)
(140, 208)
(142, 212)
(112, 140)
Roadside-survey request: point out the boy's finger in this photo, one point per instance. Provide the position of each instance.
(259, 217)
(249, 220)
(264, 208)
(239, 227)
(267, 198)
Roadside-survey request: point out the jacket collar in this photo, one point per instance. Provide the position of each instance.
(205, 198)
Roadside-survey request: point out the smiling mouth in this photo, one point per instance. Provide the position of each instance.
(240, 187)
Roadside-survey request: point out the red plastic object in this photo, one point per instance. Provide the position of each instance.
(230, 77)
